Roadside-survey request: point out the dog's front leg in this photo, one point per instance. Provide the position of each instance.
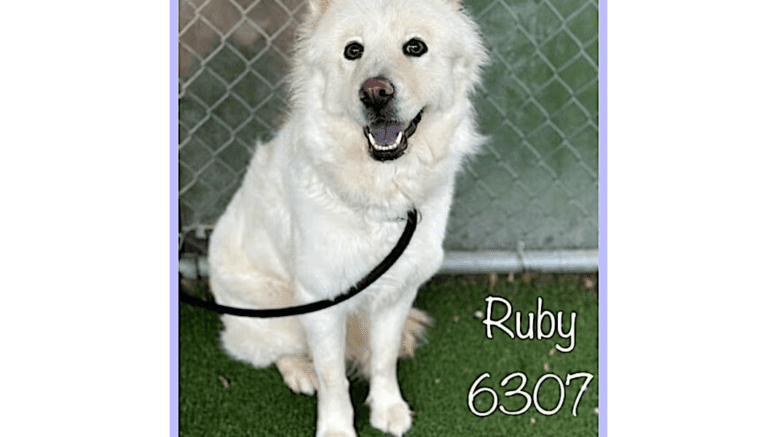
(388, 410)
(326, 339)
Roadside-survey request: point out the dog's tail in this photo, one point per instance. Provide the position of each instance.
(358, 351)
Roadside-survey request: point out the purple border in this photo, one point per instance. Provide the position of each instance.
(603, 218)
(173, 72)
(173, 47)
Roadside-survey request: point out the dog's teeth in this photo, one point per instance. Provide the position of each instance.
(396, 142)
(381, 147)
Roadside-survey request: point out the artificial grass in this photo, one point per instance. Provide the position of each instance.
(436, 383)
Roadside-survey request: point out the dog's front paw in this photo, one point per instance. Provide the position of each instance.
(338, 434)
(325, 431)
(395, 419)
(298, 374)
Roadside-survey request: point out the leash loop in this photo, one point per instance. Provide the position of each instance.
(372, 276)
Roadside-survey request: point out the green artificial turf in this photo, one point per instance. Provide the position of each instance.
(436, 382)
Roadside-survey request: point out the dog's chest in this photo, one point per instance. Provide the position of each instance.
(338, 254)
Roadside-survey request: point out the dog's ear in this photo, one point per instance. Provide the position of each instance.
(318, 7)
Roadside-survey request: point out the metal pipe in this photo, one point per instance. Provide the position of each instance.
(559, 261)
(474, 262)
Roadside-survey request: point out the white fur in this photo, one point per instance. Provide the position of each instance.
(315, 212)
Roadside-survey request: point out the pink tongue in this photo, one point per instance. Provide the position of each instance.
(385, 132)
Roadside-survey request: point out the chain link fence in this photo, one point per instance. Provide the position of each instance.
(535, 184)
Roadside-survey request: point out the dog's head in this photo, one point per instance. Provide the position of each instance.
(383, 75)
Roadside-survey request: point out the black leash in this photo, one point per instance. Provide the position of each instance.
(377, 272)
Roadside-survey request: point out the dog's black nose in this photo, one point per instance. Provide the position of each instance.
(376, 92)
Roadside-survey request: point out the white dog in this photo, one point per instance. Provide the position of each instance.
(380, 122)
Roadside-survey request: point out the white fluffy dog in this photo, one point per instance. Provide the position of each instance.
(380, 123)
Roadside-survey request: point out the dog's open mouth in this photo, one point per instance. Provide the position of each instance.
(387, 140)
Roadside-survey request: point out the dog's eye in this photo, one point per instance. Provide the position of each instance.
(414, 47)
(353, 51)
